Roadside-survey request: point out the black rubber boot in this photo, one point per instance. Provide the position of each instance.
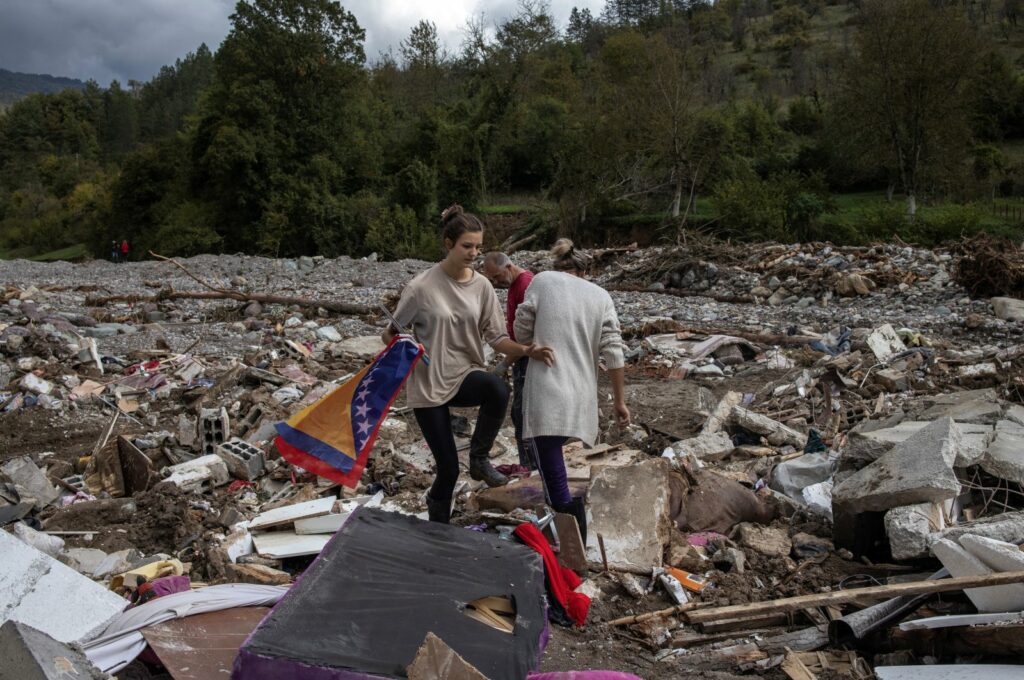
(439, 511)
(480, 467)
(577, 509)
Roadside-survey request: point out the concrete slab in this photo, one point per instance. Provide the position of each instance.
(281, 544)
(999, 555)
(910, 529)
(917, 470)
(30, 654)
(630, 508)
(977, 406)
(1004, 456)
(290, 513)
(39, 591)
(976, 437)
(776, 433)
(24, 472)
(706, 446)
(960, 562)
(1014, 413)
(1008, 526)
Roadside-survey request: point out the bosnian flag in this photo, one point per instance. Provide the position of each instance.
(333, 436)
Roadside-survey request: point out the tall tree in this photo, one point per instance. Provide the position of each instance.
(905, 90)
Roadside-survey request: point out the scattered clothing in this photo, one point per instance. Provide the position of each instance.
(561, 582)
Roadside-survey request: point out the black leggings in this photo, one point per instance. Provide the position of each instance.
(478, 388)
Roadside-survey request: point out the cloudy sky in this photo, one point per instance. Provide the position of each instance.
(132, 39)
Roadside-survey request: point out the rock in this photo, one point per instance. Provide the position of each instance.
(892, 380)
(257, 574)
(31, 654)
(292, 322)
(306, 263)
(910, 528)
(35, 384)
(774, 283)
(960, 562)
(26, 474)
(1008, 309)
(328, 333)
(849, 285)
(656, 287)
(872, 444)
(1004, 456)
(778, 297)
(84, 560)
(156, 317)
(362, 347)
(884, 343)
(252, 310)
(706, 446)
(720, 415)
(917, 470)
(635, 533)
(771, 541)
(776, 433)
(1008, 526)
(760, 291)
(729, 559)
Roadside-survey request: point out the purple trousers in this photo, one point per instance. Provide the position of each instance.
(548, 453)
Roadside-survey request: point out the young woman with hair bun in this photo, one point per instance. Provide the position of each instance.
(453, 310)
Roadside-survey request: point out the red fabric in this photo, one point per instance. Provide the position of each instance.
(562, 581)
(124, 247)
(516, 295)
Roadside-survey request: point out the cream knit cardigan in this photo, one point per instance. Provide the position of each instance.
(577, 319)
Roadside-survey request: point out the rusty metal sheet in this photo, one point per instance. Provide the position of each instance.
(203, 647)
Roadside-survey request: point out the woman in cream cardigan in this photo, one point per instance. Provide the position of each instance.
(576, 319)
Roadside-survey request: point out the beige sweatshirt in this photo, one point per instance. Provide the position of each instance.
(451, 320)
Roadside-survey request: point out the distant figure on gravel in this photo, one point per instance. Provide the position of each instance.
(452, 310)
(115, 251)
(503, 273)
(576, 319)
(124, 250)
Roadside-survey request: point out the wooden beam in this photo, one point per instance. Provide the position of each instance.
(788, 604)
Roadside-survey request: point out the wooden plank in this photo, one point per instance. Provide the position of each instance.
(571, 552)
(789, 604)
(740, 623)
(203, 646)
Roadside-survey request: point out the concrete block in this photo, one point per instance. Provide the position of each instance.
(1008, 527)
(975, 440)
(1004, 456)
(892, 380)
(776, 433)
(916, 471)
(244, 460)
(186, 431)
(910, 529)
(884, 343)
(195, 476)
(706, 446)
(629, 507)
(974, 406)
(214, 429)
(25, 473)
(998, 555)
(960, 562)
(84, 560)
(31, 654)
(39, 591)
(720, 415)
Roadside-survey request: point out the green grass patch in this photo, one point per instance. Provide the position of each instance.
(21, 252)
(79, 251)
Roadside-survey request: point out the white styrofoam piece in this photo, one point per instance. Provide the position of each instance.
(290, 513)
(329, 524)
(281, 544)
(39, 591)
(950, 672)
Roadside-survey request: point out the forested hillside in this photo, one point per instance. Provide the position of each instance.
(15, 86)
(750, 119)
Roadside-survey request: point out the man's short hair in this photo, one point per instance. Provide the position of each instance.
(497, 258)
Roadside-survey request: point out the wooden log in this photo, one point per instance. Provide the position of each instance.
(788, 604)
(671, 611)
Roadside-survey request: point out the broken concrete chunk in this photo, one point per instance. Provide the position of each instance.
(1008, 526)
(915, 471)
(205, 472)
(25, 473)
(720, 415)
(35, 384)
(998, 555)
(972, 406)
(972, 447)
(960, 562)
(630, 508)
(1008, 309)
(773, 541)
(893, 380)
(1004, 456)
(257, 574)
(706, 446)
(776, 433)
(31, 654)
(910, 529)
(885, 344)
(39, 591)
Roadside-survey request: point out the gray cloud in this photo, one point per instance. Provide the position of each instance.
(108, 39)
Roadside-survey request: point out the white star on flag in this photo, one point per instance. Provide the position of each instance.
(364, 427)
(368, 379)
(361, 411)
(361, 394)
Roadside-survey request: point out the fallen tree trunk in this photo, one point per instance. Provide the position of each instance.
(789, 604)
(262, 298)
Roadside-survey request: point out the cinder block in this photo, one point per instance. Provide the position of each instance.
(201, 474)
(214, 429)
(244, 460)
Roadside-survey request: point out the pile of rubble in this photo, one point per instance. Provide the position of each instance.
(817, 428)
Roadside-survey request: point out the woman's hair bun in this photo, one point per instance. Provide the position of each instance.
(562, 247)
(451, 211)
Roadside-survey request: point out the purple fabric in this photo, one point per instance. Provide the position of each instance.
(171, 584)
(583, 675)
(552, 468)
